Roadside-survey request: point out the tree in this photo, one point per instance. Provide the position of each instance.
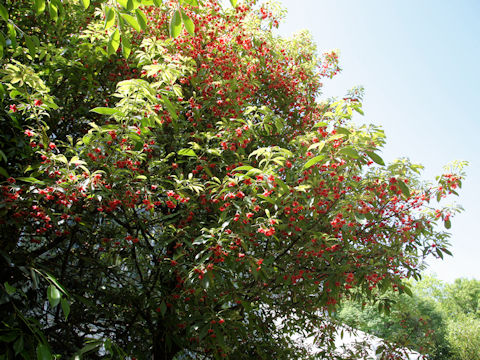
(185, 201)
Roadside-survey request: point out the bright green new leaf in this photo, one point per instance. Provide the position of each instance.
(43, 352)
(3, 12)
(375, 158)
(106, 111)
(141, 19)
(65, 307)
(126, 47)
(12, 35)
(189, 25)
(53, 295)
(132, 21)
(109, 17)
(313, 161)
(157, 2)
(234, 3)
(85, 3)
(114, 42)
(39, 6)
(187, 152)
(175, 24)
(319, 146)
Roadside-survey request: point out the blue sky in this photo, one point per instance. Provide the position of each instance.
(419, 64)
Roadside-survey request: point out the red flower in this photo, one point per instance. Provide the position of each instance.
(37, 102)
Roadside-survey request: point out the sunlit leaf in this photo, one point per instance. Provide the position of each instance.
(175, 24)
(53, 295)
(189, 25)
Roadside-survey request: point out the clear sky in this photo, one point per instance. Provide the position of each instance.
(419, 64)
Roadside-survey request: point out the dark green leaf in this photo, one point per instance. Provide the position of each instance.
(53, 295)
(404, 188)
(12, 35)
(351, 152)
(157, 2)
(30, 45)
(170, 107)
(175, 24)
(43, 352)
(3, 12)
(375, 158)
(18, 345)
(448, 224)
(9, 288)
(313, 161)
(163, 308)
(65, 307)
(189, 25)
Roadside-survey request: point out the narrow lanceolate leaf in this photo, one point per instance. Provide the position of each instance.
(3, 12)
(65, 307)
(53, 295)
(313, 161)
(234, 3)
(106, 111)
(189, 25)
(114, 42)
(375, 158)
(175, 24)
(109, 17)
(39, 6)
(132, 21)
(141, 19)
(2, 44)
(85, 3)
(30, 45)
(126, 47)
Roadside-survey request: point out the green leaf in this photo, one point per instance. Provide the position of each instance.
(170, 107)
(43, 352)
(53, 10)
(30, 180)
(4, 172)
(319, 146)
(114, 42)
(157, 2)
(141, 18)
(3, 12)
(244, 167)
(30, 45)
(2, 44)
(448, 224)
(375, 158)
(106, 111)
(65, 307)
(12, 35)
(404, 188)
(18, 345)
(9, 288)
(189, 25)
(109, 17)
(53, 295)
(132, 21)
(407, 291)
(39, 6)
(234, 3)
(175, 24)
(85, 3)
(163, 308)
(126, 47)
(187, 152)
(313, 161)
(351, 152)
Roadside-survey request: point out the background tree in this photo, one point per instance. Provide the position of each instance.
(212, 207)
